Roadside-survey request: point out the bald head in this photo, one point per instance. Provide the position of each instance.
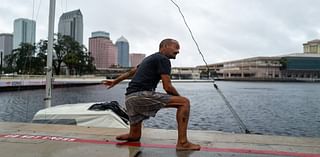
(169, 47)
(166, 42)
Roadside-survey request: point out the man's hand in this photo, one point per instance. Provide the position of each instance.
(109, 83)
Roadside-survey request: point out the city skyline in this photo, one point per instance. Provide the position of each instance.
(105, 53)
(225, 30)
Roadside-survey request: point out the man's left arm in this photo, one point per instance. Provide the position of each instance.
(111, 83)
(167, 85)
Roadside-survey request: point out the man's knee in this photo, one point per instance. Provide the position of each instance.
(186, 101)
(179, 101)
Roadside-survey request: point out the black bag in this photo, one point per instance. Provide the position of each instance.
(113, 106)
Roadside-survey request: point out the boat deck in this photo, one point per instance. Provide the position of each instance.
(41, 140)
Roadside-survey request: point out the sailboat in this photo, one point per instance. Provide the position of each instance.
(97, 114)
(100, 114)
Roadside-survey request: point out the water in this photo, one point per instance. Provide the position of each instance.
(265, 107)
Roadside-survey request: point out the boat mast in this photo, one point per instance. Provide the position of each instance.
(49, 79)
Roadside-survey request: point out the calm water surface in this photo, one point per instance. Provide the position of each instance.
(268, 108)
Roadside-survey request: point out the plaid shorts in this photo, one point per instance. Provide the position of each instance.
(141, 105)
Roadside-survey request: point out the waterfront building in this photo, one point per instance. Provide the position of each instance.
(312, 46)
(136, 58)
(6, 45)
(180, 73)
(113, 72)
(24, 31)
(256, 67)
(301, 66)
(297, 66)
(102, 50)
(123, 51)
(71, 24)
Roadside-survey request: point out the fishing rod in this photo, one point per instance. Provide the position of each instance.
(234, 113)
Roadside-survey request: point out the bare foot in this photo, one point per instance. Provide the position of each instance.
(126, 137)
(187, 146)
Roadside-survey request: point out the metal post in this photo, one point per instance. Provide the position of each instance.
(49, 54)
(1, 66)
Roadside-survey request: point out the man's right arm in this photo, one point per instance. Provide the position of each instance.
(128, 74)
(167, 85)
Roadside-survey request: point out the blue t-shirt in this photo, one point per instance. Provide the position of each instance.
(149, 73)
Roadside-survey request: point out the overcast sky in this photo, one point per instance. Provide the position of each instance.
(224, 29)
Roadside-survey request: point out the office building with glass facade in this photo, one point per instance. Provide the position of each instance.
(123, 51)
(24, 31)
(71, 24)
(6, 45)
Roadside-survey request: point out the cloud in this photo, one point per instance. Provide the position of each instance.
(225, 29)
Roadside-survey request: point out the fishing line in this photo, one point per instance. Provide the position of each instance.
(38, 10)
(234, 113)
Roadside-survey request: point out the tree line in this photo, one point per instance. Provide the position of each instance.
(31, 58)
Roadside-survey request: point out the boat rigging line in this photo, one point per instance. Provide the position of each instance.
(234, 113)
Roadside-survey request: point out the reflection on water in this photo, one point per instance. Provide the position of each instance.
(268, 108)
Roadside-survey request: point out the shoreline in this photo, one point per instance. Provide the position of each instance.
(14, 84)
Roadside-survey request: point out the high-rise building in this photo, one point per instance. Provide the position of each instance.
(101, 34)
(136, 58)
(71, 24)
(24, 31)
(102, 50)
(123, 51)
(6, 44)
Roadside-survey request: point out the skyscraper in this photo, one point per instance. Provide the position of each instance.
(24, 31)
(136, 58)
(123, 51)
(102, 50)
(71, 24)
(6, 44)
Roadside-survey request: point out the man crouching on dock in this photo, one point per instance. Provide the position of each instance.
(142, 101)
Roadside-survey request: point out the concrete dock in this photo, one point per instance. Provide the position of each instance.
(42, 140)
(39, 83)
